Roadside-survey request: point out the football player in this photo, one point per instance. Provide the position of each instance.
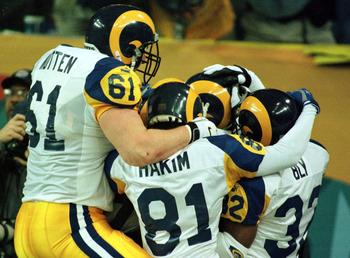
(179, 200)
(272, 214)
(82, 104)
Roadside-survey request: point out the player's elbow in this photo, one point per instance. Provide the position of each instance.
(294, 160)
(141, 157)
(296, 155)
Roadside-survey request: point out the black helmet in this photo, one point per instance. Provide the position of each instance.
(143, 105)
(213, 91)
(171, 104)
(266, 115)
(127, 33)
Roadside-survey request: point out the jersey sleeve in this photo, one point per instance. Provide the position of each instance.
(114, 173)
(290, 148)
(246, 201)
(242, 156)
(112, 84)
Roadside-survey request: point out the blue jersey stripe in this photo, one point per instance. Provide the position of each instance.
(107, 169)
(241, 156)
(255, 192)
(97, 238)
(73, 218)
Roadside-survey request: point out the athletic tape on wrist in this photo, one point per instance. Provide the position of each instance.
(194, 131)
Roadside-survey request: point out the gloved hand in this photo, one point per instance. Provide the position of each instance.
(240, 80)
(236, 75)
(201, 127)
(304, 97)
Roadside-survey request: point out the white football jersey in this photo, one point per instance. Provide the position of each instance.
(179, 200)
(67, 147)
(282, 204)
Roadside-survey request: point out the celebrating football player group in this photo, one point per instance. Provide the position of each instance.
(212, 165)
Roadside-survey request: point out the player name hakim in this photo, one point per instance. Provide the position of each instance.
(59, 61)
(177, 164)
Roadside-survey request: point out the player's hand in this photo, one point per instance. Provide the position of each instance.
(201, 127)
(236, 75)
(304, 97)
(240, 80)
(14, 129)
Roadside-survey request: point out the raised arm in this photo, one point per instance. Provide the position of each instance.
(289, 149)
(248, 158)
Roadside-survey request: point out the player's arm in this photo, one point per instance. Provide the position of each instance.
(242, 208)
(136, 144)
(289, 149)
(113, 91)
(246, 158)
(244, 234)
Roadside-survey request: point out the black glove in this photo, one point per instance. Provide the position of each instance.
(240, 80)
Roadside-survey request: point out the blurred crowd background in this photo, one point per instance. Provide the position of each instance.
(297, 21)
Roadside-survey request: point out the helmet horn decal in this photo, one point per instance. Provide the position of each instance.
(120, 23)
(191, 99)
(257, 108)
(209, 87)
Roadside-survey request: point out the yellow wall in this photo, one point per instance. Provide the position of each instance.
(280, 66)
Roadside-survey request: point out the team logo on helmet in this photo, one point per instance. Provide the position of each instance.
(266, 115)
(128, 34)
(215, 97)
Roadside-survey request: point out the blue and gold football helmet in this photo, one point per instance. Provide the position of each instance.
(216, 96)
(127, 33)
(172, 103)
(266, 115)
